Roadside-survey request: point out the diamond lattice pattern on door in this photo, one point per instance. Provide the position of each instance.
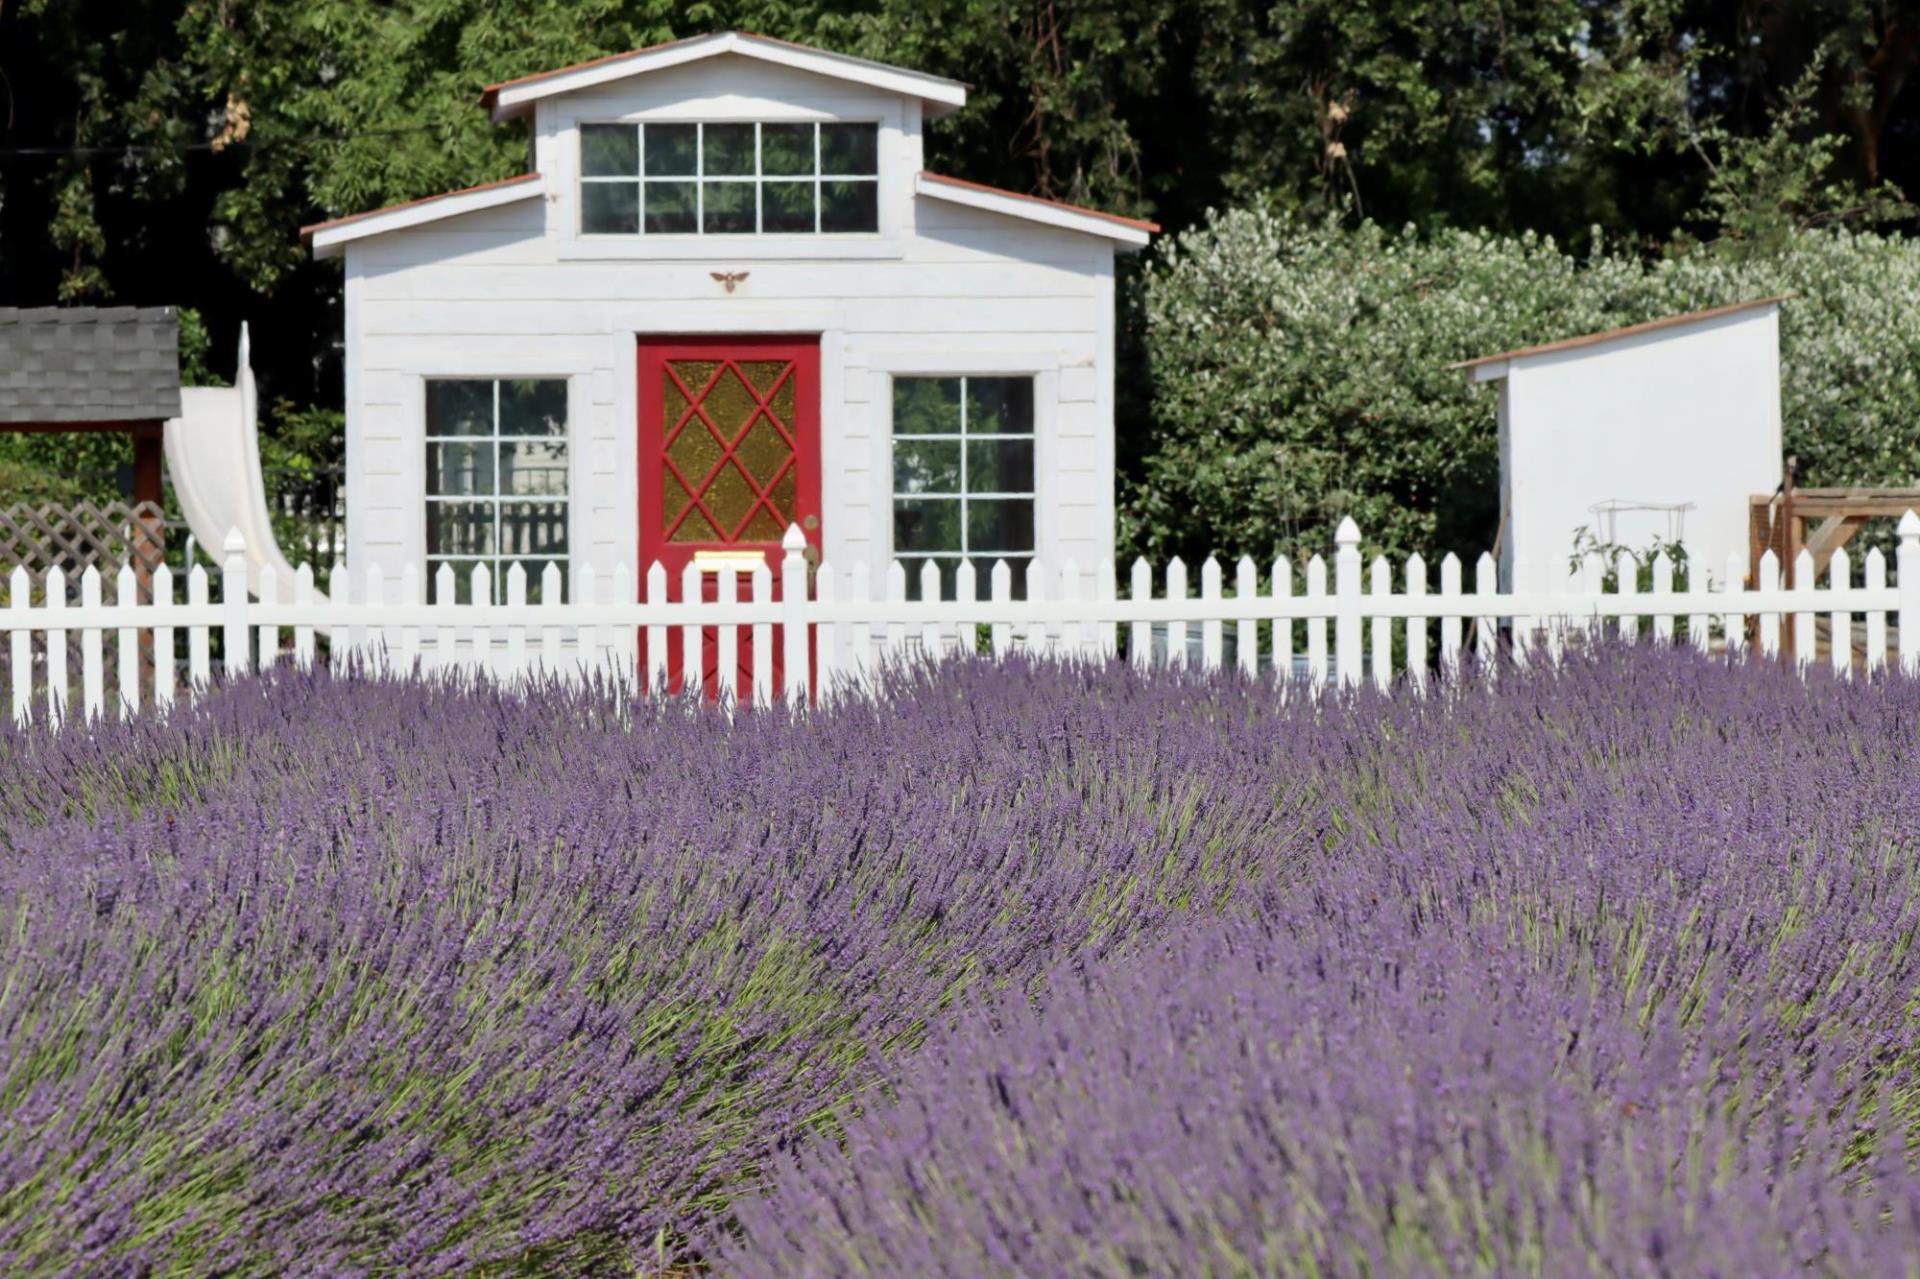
(728, 468)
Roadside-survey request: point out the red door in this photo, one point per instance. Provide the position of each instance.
(729, 456)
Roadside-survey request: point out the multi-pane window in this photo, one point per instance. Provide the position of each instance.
(496, 479)
(963, 476)
(729, 178)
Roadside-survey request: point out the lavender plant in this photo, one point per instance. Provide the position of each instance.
(353, 976)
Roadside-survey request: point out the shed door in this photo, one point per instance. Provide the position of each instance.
(729, 455)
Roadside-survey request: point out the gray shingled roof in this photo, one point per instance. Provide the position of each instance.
(89, 364)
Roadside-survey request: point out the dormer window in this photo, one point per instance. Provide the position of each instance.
(729, 178)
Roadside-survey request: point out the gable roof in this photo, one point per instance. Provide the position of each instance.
(511, 98)
(86, 364)
(1131, 233)
(1486, 368)
(329, 236)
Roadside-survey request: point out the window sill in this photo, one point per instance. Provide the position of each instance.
(729, 248)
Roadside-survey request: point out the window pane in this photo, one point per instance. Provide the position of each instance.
(670, 208)
(610, 150)
(533, 406)
(533, 528)
(998, 466)
(850, 206)
(1000, 524)
(728, 208)
(786, 148)
(849, 148)
(671, 149)
(786, 206)
(462, 580)
(533, 468)
(459, 408)
(459, 528)
(926, 524)
(999, 406)
(460, 470)
(926, 466)
(926, 406)
(609, 208)
(728, 149)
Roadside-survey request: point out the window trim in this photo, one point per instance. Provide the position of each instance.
(701, 180)
(499, 561)
(1016, 560)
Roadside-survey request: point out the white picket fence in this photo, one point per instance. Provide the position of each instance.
(831, 637)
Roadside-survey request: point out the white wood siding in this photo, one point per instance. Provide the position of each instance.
(514, 292)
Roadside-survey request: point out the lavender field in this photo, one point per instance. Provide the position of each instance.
(1024, 970)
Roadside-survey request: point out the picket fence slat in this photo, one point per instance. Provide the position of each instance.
(1282, 628)
(56, 645)
(1176, 631)
(1210, 630)
(1140, 632)
(1840, 621)
(164, 675)
(1246, 632)
(1316, 626)
(126, 592)
(815, 630)
(1416, 626)
(1381, 640)
(1876, 581)
(20, 642)
(93, 688)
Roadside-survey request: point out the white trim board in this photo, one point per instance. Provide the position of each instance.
(1123, 232)
(516, 97)
(330, 238)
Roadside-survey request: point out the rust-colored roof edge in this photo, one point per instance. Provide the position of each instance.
(490, 96)
(1138, 224)
(1631, 330)
(328, 225)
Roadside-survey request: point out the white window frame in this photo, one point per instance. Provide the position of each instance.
(499, 560)
(1017, 561)
(701, 180)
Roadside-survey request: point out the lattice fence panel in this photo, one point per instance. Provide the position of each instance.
(73, 538)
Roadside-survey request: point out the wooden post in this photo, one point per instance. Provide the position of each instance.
(149, 535)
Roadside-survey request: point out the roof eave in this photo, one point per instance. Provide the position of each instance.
(1127, 234)
(1505, 359)
(515, 98)
(331, 238)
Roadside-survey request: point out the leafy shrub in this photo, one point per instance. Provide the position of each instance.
(1300, 370)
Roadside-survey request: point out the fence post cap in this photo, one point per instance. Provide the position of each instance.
(1910, 525)
(794, 540)
(235, 543)
(1348, 534)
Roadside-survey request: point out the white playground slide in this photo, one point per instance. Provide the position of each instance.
(213, 459)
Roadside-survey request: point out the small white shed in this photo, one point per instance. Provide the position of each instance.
(728, 296)
(1658, 430)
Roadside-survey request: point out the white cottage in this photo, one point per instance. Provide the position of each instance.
(1658, 430)
(727, 297)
